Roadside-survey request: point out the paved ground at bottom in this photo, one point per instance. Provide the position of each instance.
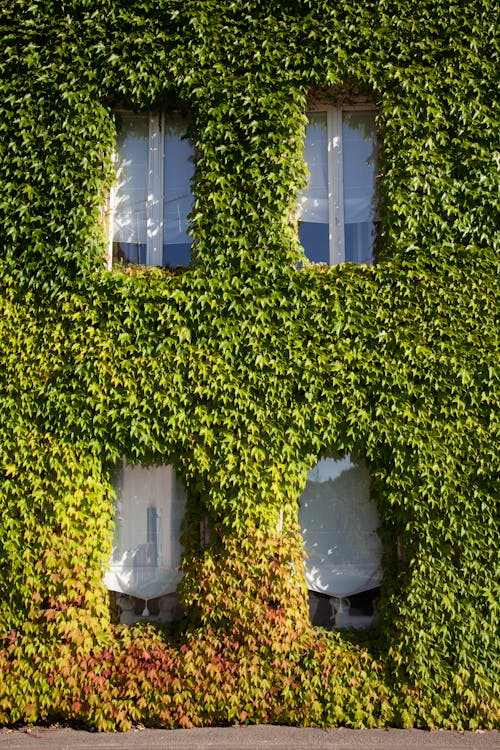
(246, 738)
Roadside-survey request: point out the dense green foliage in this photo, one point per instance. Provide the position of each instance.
(243, 369)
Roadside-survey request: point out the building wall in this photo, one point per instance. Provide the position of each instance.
(247, 367)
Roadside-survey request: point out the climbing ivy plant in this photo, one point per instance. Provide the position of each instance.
(245, 368)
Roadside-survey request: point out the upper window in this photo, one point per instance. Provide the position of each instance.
(152, 197)
(337, 210)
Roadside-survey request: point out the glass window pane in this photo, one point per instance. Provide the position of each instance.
(339, 523)
(130, 215)
(359, 148)
(313, 219)
(177, 198)
(146, 547)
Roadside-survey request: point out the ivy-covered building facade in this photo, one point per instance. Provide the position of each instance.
(249, 363)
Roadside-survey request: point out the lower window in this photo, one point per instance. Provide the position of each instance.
(145, 561)
(339, 524)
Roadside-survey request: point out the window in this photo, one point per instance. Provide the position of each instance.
(337, 210)
(152, 197)
(146, 554)
(339, 525)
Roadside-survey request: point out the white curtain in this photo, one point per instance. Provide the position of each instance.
(359, 160)
(359, 146)
(178, 171)
(146, 547)
(313, 205)
(339, 523)
(131, 194)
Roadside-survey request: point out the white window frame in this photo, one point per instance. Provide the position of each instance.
(154, 242)
(335, 161)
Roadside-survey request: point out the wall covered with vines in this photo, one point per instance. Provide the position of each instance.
(246, 367)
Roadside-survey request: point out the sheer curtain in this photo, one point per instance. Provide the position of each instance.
(339, 525)
(178, 171)
(131, 193)
(313, 205)
(359, 147)
(146, 553)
